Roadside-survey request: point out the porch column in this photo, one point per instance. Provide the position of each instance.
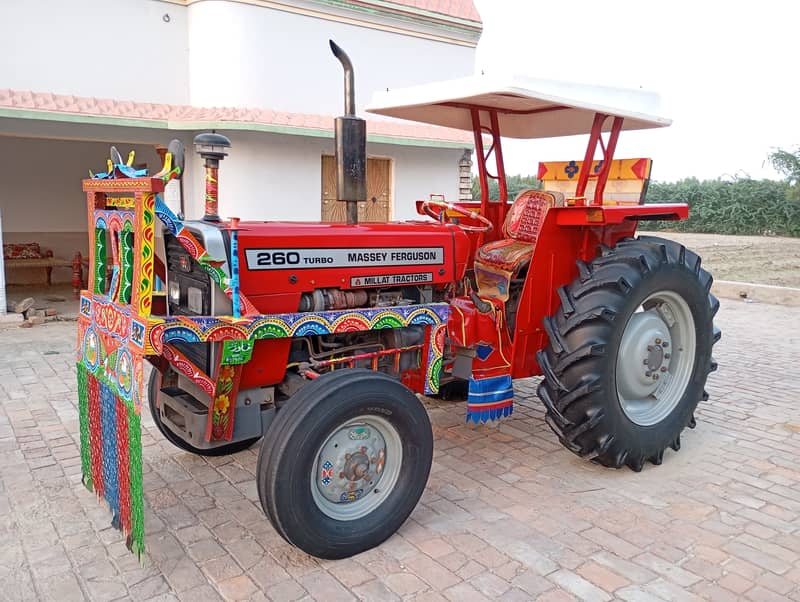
(465, 177)
(2, 272)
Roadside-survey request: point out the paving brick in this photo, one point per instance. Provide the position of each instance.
(735, 583)
(602, 577)
(673, 573)
(464, 592)
(757, 557)
(670, 591)
(149, 588)
(205, 549)
(182, 574)
(201, 593)
(221, 568)
(435, 547)
(556, 595)
(703, 568)
(349, 572)
(103, 589)
(610, 542)
(237, 588)
(490, 585)
(286, 591)
(711, 591)
(578, 586)
(635, 593)
(404, 584)
(761, 594)
(322, 586)
(509, 570)
(430, 571)
(779, 585)
(470, 569)
(507, 515)
(636, 573)
(515, 595)
(62, 587)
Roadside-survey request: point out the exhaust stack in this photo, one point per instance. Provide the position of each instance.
(351, 145)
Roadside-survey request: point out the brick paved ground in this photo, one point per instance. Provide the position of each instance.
(507, 515)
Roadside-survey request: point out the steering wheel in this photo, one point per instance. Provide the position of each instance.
(440, 212)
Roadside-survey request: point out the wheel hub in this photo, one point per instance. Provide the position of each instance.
(351, 463)
(643, 354)
(655, 359)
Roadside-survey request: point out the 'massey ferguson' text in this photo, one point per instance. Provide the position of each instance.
(282, 259)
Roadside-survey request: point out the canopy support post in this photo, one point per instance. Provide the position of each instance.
(483, 155)
(608, 149)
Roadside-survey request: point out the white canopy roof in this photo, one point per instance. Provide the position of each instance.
(527, 107)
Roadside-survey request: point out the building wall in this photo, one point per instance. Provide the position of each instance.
(211, 53)
(121, 49)
(271, 58)
(278, 177)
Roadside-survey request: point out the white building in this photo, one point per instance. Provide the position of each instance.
(79, 76)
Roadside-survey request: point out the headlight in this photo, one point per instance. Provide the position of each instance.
(174, 293)
(194, 299)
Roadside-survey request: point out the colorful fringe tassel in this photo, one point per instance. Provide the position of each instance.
(111, 454)
(490, 398)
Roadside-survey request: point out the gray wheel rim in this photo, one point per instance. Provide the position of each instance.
(356, 468)
(656, 358)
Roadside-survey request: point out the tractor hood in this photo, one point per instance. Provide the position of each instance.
(281, 260)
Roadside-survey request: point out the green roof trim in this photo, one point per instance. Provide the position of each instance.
(220, 125)
(418, 142)
(73, 118)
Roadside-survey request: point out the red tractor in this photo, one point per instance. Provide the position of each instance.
(319, 337)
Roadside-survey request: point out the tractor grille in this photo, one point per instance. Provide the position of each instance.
(194, 282)
(194, 300)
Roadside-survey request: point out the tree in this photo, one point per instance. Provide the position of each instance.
(514, 184)
(787, 162)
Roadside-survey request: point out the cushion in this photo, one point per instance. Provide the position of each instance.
(507, 254)
(526, 215)
(25, 250)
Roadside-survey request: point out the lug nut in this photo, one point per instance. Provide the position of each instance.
(658, 341)
(663, 368)
(665, 344)
(645, 361)
(655, 376)
(648, 373)
(666, 356)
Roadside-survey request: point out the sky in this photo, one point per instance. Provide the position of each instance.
(728, 74)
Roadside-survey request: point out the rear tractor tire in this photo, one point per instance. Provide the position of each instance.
(345, 462)
(629, 352)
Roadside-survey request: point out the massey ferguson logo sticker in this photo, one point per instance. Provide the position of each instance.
(292, 259)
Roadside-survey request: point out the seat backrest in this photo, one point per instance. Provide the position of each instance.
(526, 215)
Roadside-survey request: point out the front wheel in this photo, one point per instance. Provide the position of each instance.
(345, 462)
(629, 352)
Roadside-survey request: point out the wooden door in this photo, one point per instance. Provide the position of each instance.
(377, 208)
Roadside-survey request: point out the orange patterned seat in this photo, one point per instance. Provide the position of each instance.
(496, 262)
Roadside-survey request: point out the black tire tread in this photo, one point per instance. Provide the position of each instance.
(578, 332)
(290, 418)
